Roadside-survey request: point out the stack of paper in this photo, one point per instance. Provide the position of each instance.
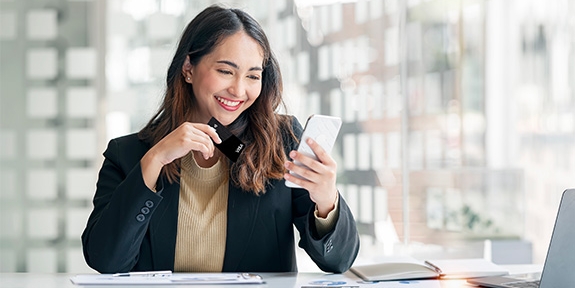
(139, 278)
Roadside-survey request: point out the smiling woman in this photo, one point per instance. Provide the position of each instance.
(224, 57)
(167, 199)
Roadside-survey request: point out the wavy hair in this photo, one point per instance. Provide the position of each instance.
(259, 127)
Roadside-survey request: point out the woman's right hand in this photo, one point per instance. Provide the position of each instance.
(187, 137)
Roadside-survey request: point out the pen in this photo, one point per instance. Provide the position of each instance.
(165, 273)
(345, 286)
(437, 269)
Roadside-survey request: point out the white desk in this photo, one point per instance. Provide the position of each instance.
(276, 280)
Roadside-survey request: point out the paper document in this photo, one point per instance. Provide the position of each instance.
(161, 277)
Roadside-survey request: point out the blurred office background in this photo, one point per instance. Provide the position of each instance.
(459, 115)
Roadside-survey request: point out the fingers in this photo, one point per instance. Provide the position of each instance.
(312, 178)
(317, 173)
(202, 138)
(319, 176)
(189, 137)
(210, 131)
(202, 143)
(322, 156)
(319, 180)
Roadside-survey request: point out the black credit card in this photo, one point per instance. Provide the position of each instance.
(231, 145)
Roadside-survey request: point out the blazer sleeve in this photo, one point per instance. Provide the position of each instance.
(335, 251)
(123, 206)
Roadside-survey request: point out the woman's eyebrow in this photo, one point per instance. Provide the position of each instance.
(230, 63)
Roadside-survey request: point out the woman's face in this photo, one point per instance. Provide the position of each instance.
(227, 81)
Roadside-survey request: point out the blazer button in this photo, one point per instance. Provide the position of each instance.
(328, 246)
(145, 210)
(140, 217)
(149, 204)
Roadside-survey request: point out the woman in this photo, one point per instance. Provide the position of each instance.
(167, 199)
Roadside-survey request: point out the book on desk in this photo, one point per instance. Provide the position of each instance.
(430, 269)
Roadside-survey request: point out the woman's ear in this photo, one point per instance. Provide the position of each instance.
(187, 70)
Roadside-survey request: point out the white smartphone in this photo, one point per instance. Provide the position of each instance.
(321, 128)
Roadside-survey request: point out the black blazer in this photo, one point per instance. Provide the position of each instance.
(134, 229)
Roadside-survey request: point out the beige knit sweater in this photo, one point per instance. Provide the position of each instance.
(202, 219)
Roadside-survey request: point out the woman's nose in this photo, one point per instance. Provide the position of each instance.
(237, 88)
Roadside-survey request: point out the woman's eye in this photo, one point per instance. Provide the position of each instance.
(254, 77)
(225, 72)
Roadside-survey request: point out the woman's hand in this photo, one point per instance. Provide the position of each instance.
(187, 137)
(320, 176)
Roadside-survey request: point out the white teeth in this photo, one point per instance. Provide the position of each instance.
(228, 102)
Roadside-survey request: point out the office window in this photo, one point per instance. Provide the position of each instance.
(349, 151)
(50, 94)
(363, 151)
(42, 103)
(361, 11)
(336, 16)
(391, 48)
(377, 152)
(376, 105)
(336, 103)
(323, 63)
(362, 106)
(42, 63)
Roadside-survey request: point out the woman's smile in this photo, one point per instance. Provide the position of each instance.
(230, 105)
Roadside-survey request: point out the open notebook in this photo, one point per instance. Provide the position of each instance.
(445, 269)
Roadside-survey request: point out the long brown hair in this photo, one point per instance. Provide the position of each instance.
(259, 127)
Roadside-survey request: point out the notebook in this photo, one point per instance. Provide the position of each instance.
(444, 269)
(559, 266)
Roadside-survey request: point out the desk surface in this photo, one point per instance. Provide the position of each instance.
(280, 280)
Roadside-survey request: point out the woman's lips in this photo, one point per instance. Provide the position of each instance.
(228, 104)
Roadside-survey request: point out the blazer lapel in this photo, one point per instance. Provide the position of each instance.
(164, 227)
(242, 212)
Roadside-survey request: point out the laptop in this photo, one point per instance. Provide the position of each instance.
(559, 266)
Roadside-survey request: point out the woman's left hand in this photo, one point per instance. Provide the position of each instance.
(320, 176)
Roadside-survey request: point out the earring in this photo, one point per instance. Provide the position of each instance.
(188, 78)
